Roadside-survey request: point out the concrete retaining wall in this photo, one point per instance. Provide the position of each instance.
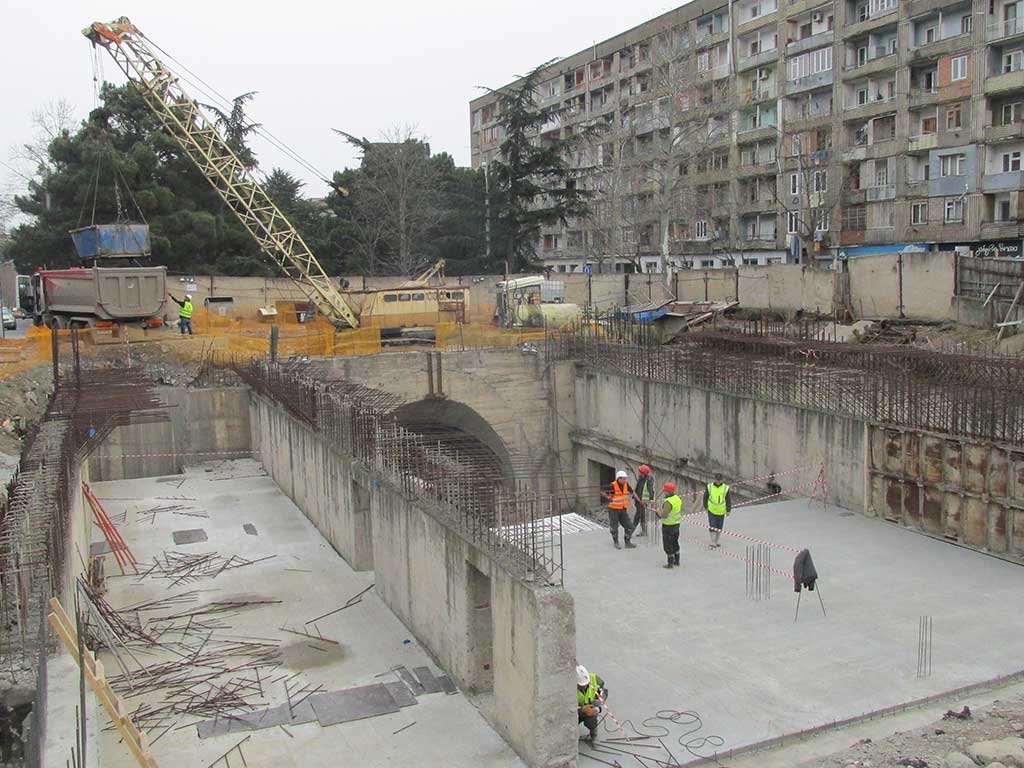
(204, 424)
(741, 437)
(468, 611)
(928, 284)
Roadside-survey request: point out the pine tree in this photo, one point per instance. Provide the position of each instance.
(533, 183)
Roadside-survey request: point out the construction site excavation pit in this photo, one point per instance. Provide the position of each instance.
(264, 640)
(740, 666)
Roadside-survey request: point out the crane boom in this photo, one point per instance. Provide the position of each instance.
(198, 136)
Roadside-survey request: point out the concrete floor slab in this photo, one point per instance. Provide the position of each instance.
(689, 639)
(309, 579)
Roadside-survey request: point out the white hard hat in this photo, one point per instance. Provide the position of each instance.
(188, 296)
(621, 475)
(582, 676)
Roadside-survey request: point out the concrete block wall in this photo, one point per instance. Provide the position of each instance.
(928, 285)
(202, 425)
(742, 437)
(431, 577)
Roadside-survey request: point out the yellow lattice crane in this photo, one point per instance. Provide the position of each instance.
(198, 136)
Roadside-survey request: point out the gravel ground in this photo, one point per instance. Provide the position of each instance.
(957, 741)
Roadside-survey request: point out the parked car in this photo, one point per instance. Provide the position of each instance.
(10, 322)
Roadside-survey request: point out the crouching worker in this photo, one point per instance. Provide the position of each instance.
(590, 697)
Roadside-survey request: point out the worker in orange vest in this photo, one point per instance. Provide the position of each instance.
(619, 495)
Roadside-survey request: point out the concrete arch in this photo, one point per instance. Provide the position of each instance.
(453, 421)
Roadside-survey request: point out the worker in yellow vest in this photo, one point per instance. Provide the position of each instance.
(718, 504)
(590, 697)
(184, 313)
(619, 495)
(671, 514)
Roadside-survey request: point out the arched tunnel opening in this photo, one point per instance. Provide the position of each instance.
(463, 432)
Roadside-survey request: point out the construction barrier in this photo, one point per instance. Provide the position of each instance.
(456, 336)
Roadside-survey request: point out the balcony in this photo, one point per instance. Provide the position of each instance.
(753, 241)
(856, 197)
(879, 148)
(1005, 29)
(759, 133)
(1011, 81)
(877, 194)
(707, 38)
(757, 206)
(757, 95)
(923, 143)
(868, 110)
(1002, 182)
(809, 43)
(917, 8)
(939, 48)
(919, 97)
(817, 80)
(1006, 132)
(811, 119)
(872, 66)
(760, 21)
(876, 20)
(757, 60)
(762, 168)
(716, 72)
(1002, 230)
(917, 188)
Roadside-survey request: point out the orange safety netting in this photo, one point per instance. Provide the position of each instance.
(478, 336)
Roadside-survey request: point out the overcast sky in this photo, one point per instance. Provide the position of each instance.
(360, 67)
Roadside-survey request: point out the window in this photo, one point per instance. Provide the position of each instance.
(404, 297)
(928, 124)
(892, 45)
(966, 24)
(862, 97)
(954, 211)
(1011, 161)
(1012, 113)
(700, 229)
(919, 213)
(954, 117)
(389, 297)
(863, 12)
(1013, 61)
(794, 183)
(704, 61)
(1002, 211)
(862, 56)
(823, 222)
(707, 263)
(952, 165)
(882, 176)
(820, 181)
(958, 68)
(929, 35)
(854, 217)
(792, 222)
(796, 144)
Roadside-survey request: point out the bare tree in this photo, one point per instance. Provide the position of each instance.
(811, 186)
(396, 198)
(647, 191)
(31, 160)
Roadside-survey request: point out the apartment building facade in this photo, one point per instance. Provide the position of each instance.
(765, 131)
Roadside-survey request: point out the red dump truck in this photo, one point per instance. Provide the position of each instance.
(84, 296)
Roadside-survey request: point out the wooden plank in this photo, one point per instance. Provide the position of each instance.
(92, 668)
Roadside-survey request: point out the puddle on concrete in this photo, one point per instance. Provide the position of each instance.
(301, 654)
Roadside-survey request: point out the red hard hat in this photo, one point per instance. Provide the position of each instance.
(644, 469)
(669, 487)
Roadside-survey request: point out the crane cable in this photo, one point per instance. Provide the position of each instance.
(214, 95)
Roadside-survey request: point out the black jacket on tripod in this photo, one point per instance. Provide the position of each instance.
(804, 574)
